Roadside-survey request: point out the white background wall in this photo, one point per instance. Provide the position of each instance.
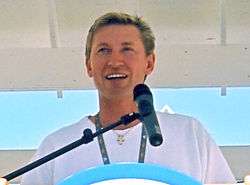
(199, 43)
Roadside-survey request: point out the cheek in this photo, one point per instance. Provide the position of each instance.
(97, 69)
(139, 71)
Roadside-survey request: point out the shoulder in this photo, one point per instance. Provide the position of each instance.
(179, 120)
(178, 123)
(64, 135)
(75, 128)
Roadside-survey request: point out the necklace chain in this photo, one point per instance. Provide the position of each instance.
(120, 136)
(103, 149)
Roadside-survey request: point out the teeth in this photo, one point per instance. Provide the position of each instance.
(111, 76)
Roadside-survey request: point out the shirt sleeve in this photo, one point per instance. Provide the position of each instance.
(218, 170)
(215, 167)
(42, 175)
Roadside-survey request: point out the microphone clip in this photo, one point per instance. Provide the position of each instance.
(128, 118)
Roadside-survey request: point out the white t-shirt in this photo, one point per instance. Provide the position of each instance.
(187, 148)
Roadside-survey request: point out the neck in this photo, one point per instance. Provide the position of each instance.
(111, 110)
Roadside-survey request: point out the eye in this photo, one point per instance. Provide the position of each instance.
(128, 49)
(104, 50)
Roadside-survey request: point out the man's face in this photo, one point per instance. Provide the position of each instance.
(118, 61)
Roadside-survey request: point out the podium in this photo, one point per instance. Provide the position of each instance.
(129, 171)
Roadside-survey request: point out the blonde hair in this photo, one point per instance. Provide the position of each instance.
(114, 18)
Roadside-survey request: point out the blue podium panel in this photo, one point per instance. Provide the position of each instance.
(129, 171)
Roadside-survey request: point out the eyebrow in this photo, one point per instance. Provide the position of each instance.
(127, 43)
(102, 44)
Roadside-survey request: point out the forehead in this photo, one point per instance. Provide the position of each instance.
(114, 34)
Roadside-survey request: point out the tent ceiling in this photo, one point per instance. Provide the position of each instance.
(199, 43)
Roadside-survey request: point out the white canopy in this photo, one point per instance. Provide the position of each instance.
(199, 43)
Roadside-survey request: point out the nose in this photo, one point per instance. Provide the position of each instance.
(116, 60)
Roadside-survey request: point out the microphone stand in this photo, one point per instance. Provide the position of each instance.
(88, 137)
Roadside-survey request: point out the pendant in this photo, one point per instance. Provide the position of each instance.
(120, 139)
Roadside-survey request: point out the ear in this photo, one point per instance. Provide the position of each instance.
(150, 63)
(89, 68)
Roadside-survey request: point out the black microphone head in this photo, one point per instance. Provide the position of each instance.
(156, 140)
(144, 100)
(141, 89)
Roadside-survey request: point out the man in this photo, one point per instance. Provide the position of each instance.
(120, 55)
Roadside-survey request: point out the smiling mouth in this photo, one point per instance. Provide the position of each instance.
(116, 76)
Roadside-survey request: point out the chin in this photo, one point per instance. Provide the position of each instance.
(118, 93)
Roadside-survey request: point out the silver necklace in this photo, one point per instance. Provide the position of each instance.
(121, 137)
(103, 149)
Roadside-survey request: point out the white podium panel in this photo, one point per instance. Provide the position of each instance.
(133, 172)
(130, 182)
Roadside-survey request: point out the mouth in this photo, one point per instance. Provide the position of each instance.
(116, 76)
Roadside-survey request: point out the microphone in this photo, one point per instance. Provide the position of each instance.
(144, 99)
